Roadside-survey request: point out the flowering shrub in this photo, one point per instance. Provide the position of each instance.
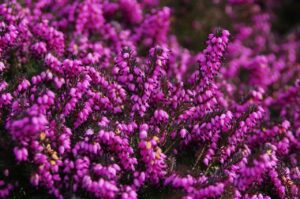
(99, 100)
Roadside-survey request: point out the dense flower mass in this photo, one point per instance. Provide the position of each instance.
(99, 100)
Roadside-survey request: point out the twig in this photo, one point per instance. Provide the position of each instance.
(198, 158)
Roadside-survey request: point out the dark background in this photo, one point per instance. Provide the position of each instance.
(193, 20)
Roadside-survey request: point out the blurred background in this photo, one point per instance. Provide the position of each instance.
(193, 20)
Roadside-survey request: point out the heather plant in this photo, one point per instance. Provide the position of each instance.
(99, 100)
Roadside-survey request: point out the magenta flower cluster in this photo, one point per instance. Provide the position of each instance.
(99, 100)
